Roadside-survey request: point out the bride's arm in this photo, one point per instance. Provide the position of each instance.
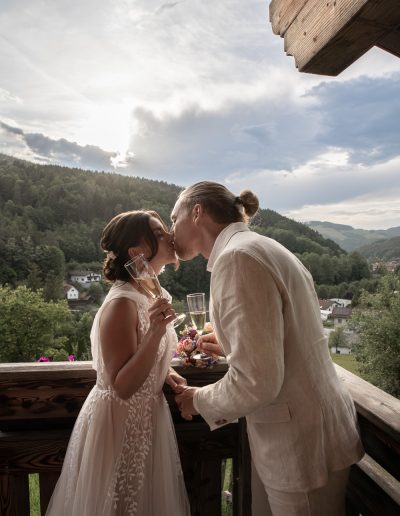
(127, 364)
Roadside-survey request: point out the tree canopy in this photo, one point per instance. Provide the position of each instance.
(31, 327)
(378, 324)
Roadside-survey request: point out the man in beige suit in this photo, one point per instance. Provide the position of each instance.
(301, 422)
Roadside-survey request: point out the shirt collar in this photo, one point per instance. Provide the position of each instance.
(223, 239)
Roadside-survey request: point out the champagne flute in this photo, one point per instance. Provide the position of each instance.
(143, 274)
(197, 310)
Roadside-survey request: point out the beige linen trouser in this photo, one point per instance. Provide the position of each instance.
(328, 500)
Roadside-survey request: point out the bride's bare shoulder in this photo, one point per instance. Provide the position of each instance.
(118, 310)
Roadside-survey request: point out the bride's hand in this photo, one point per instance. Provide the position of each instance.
(161, 314)
(175, 381)
(208, 344)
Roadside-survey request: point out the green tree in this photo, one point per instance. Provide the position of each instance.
(96, 292)
(359, 266)
(50, 258)
(30, 326)
(337, 339)
(79, 342)
(377, 322)
(53, 287)
(192, 276)
(34, 280)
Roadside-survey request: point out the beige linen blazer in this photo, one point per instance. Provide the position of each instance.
(301, 422)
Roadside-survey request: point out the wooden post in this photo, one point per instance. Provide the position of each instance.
(14, 494)
(242, 474)
(47, 483)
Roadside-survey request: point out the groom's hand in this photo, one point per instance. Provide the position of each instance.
(208, 344)
(185, 403)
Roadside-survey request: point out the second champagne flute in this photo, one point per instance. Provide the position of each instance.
(197, 310)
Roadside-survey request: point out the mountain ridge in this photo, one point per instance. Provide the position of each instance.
(350, 238)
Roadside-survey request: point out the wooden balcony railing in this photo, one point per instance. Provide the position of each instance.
(39, 404)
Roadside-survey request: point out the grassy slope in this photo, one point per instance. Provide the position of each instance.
(347, 362)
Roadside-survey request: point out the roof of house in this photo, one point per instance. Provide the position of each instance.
(83, 273)
(340, 311)
(324, 304)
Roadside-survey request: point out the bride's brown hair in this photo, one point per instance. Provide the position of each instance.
(220, 203)
(128, 229)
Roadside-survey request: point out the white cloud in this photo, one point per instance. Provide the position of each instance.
(41, 149)
(324, 190)
(366, 212)
(188, 90)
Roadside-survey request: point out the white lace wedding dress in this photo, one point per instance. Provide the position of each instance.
(122, 458)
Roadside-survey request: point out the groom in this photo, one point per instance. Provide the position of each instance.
(301, 423)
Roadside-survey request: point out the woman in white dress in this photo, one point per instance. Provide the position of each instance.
(122, 458)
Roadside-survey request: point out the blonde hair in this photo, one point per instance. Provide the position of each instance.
(220, 203)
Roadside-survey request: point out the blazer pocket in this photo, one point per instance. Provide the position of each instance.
(276, 413)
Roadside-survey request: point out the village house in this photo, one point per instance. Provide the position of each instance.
(341, 302)
(70, 292)
(390, 266)
(85, 278)
(340, 315)
(326, 306)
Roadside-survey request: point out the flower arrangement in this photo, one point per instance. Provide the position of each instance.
(187, 351)
(71, 358)
(43, 359)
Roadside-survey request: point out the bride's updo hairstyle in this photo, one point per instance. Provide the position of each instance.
(221, 204)
(126, 230)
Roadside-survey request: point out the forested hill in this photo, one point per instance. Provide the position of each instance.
(56, 214)
(350, 238)
(386, 249)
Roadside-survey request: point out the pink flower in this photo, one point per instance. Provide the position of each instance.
(43, 359)
(179, 347)
(71, 358)
(188, 344)
(208, 328)
(192, 333)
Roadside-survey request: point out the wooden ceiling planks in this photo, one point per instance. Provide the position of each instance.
(325, 37)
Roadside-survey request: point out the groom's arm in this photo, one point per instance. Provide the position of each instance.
(248, 318)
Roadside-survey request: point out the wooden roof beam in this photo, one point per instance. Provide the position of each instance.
(325, 37)
(391, 42)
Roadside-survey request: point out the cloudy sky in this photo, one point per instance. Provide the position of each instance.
(195, 89)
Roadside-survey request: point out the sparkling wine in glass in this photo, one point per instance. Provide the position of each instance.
(143, 274)
(197, 310)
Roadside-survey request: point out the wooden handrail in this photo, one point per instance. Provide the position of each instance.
(379, 420)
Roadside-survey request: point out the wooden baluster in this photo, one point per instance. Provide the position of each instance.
(14, 495)
(47, 482)
(242, 474)
(211, 487)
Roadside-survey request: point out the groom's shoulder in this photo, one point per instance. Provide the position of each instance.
(236, 252)
(252, 245)
(248, 243)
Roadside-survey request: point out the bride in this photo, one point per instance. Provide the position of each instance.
(122, 458)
